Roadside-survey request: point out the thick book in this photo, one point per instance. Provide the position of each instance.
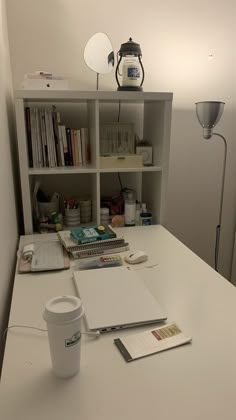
(71, 244)
(93, 233)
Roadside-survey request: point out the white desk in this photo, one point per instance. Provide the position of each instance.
(196, 381)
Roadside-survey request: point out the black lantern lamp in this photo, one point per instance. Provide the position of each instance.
(132, 69)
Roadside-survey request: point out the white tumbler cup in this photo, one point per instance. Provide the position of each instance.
(63, 315)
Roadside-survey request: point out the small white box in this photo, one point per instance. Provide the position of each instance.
(45, 84)
(146, 152)
(128, 161)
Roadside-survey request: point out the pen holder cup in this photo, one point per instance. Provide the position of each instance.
(85, 211)
(72, 217)
(46, 209)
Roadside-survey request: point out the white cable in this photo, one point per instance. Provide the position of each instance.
(90, 333)
(143, 268)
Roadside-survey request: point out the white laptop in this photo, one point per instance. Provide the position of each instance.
(116, 298)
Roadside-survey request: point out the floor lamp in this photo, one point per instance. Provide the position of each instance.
(208, 114)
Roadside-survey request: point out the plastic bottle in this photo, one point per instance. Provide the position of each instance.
(130, 209)
(145, 216)
(137, 214)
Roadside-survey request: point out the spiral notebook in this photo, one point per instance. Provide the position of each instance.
(105, 246)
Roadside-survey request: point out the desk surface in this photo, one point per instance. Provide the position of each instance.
(195, 381)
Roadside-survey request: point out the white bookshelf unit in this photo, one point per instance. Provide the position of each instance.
(150, 113)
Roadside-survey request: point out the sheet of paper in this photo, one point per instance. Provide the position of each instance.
(152, 341)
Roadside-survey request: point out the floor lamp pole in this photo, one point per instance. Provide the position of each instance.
(218, 227)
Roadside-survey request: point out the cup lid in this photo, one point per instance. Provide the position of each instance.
(63, 309)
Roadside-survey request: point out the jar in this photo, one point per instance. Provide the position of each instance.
(131, 71)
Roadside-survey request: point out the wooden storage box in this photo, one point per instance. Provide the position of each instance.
(128, 161)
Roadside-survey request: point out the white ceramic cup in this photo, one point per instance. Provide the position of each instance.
(63, 315)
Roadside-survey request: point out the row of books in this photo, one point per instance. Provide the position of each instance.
(97, 247)
(52, 144)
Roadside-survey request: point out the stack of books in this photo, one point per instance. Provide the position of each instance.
(52, 144)
(92, 241)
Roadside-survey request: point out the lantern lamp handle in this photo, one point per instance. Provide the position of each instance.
(117, 69)
(140, 62)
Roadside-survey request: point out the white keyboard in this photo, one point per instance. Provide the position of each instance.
(47, 256)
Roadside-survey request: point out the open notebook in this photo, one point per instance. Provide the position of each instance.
(116, 298)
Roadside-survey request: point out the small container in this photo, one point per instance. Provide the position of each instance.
(130, 209)
(85, 211)
(137, 214)
(145, 216)
(47, 208)
(72, 217)
(104, 216)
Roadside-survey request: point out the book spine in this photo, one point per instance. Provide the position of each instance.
(99, 251)
(79, 148)
(76, 147)
(68, 137)
(50, 145)
(61, 145)
(42, 137)
(29, 139)
(108, 243)
(111, 232)
(45, 137)
(65, 145)
(85, 146)
(33, 136)
(56, 135)
(38, 139)
(73, 146)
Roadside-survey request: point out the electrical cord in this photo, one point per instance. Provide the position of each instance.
(121, 186)
(90, 333)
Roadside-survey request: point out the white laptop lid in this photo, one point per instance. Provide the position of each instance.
(116, 298)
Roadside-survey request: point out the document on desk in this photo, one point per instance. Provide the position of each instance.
(152, 341)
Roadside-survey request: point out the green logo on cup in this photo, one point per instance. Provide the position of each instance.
(73, 340)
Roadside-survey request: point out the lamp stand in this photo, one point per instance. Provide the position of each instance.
(218, 227)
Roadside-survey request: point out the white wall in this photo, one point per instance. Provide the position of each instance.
(176, 38)
(8, 219)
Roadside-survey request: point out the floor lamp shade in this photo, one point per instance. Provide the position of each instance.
(208, 114)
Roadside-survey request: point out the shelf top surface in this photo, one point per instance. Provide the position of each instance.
(70, 95)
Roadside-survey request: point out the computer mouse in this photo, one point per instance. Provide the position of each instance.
(136, 257)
